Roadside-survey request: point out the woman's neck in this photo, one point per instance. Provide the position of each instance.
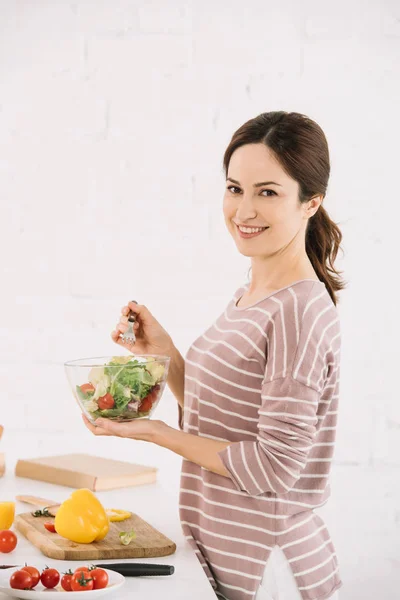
(268, 276)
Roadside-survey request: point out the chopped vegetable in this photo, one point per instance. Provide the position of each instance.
(156, 369)
(126, 537)
(116, 515)
(87, 387)
(124, 388)
(41, 513)
(7, 514)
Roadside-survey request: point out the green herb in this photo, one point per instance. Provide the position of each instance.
(41, 513)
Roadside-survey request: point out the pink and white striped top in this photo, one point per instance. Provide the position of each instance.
(266, 378)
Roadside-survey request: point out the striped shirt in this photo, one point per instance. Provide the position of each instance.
(266, 378)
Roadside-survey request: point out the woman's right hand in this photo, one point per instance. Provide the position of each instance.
(151, 337)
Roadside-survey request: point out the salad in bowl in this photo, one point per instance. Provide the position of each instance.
(121, 388)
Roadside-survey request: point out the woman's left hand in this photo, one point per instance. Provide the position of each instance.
(141, 429)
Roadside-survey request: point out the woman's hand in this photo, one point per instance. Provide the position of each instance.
(151, 337)
(140, 429)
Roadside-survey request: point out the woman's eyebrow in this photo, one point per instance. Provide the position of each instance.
(256, 185)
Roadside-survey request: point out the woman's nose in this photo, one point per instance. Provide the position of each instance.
(245, 209)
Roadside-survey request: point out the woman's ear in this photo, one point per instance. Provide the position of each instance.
(311, 207)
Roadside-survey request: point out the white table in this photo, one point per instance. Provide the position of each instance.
(156, 503)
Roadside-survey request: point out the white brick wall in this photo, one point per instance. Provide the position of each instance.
(114, 116)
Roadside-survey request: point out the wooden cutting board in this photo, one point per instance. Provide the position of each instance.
(148, 542)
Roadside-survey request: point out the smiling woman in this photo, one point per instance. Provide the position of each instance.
(258, 391)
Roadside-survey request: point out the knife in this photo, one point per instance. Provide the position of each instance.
(129, 569)
(137, 569)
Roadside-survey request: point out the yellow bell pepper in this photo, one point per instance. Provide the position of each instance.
(7, 514)
(82, 518)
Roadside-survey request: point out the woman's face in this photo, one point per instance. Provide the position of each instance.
(273, 205)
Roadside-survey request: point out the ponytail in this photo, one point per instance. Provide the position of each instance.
(323, 239)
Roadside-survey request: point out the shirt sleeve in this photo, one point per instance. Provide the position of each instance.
(286, 429)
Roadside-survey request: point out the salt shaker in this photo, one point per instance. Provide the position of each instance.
(129, 336)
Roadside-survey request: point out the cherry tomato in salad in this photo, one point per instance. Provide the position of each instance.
(100, 578)
(66, 581)
(21, 580)
(50, 527)
(34, 573)
(50, 578)
(8, 541)
(81, 582)
(148, 401)
(87, 387)
(146, 404)
(106, 402)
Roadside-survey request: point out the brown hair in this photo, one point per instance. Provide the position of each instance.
(300, 146)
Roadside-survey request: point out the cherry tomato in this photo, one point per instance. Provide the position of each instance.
(100, 578)
(34, 573)
(66, 581)
(50, 527)
(146, 404)
(50, 578)
(8, 541)
(80, 569)
(148, 401)
(81, 582)
(106, 402)
(21, 580)
(87, 387)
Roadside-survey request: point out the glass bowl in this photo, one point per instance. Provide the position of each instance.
(121, 388)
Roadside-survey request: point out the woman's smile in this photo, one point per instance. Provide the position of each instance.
(250, 232)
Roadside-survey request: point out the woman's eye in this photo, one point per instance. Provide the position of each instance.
(232, 187)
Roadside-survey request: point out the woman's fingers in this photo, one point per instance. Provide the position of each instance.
(132, 306)
(123, 324)
(95, 430)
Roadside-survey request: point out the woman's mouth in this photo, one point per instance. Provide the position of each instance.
(250, 232)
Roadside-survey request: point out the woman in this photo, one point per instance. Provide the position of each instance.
(258, 391)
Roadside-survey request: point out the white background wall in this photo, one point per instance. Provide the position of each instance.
(114, 117)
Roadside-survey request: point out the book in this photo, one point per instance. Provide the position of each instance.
(85, 471)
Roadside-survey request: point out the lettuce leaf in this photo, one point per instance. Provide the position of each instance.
(132, 375)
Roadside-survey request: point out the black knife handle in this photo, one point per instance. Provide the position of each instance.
(139, 569)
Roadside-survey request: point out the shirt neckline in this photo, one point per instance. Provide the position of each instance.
(245, 287)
